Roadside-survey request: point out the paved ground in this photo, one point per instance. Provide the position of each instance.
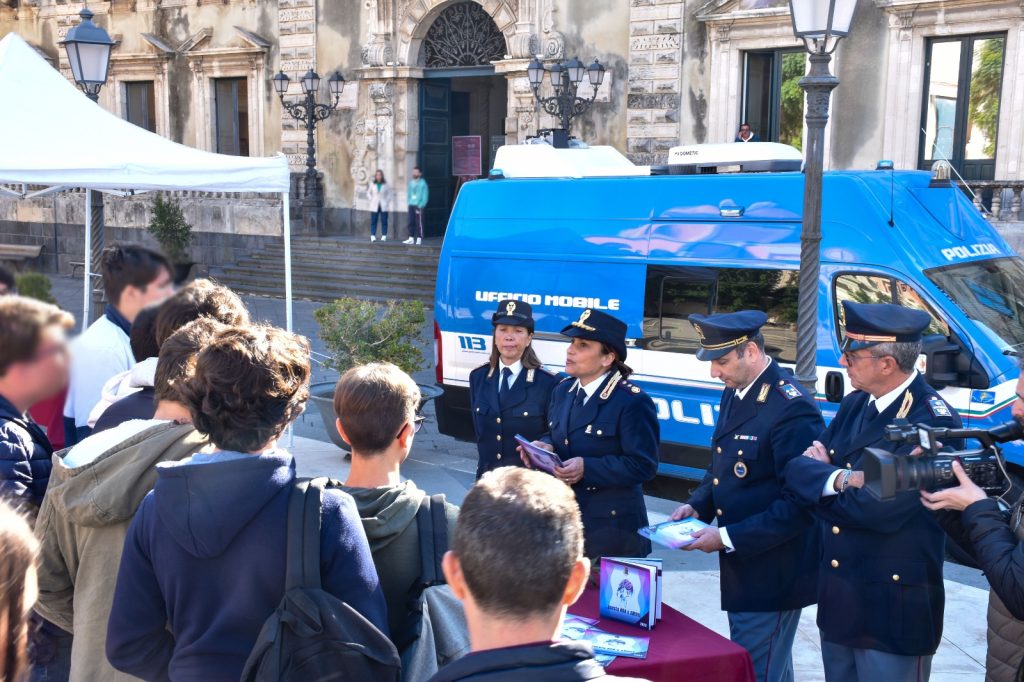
(442, 464)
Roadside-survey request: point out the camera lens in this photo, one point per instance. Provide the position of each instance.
(922, 473)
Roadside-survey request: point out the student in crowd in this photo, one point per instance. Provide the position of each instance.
(376, 407)
(509, 395)
(197, 299)
(138, 379)
(133, 277)
(18, 549)
(8, 284)
(93, 495)
(381, 197)
(418, 194)
(517, 564)
(33, 367)
(204, 560)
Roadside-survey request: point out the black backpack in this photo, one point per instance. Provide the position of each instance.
(432, 526)
(313, 636)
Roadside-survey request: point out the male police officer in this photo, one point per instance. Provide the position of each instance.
(767, 548)
(880, 593)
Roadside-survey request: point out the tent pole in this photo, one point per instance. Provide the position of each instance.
(287, 232)
(87, 290)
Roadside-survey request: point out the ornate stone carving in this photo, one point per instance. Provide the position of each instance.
(382, 95)
(378, 51)
(463, 34)
(553, 41)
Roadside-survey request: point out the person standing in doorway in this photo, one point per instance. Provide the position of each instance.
(745, 134)
(380, 204)
(418, 196)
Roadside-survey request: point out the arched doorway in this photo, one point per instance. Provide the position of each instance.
(459, 97)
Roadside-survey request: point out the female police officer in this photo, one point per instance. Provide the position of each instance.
(510, 394)
(605, 430)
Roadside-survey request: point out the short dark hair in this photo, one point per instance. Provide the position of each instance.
(22, 321)
(177, 357)
(142, 336)
(249, 383)
(125, 265)
(744, 124)
(417, 168)
(518, 536)
(200, 298)
(373, 402)
(7, 279)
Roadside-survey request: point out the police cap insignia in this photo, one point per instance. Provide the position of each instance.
(700, 332)
(510, 307)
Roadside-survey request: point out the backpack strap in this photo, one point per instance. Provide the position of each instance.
(439, 523)
(303, 546)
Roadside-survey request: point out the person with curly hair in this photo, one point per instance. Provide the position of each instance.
(18, 550)
(204, 560)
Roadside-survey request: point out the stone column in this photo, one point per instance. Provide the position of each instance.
(653, 93)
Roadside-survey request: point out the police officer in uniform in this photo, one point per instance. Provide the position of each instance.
(605, 431)
(510, 394)
(767, 548)
(880, 592)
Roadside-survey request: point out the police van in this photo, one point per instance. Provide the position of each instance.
(569, 229)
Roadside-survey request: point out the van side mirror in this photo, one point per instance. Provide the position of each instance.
(835, 387)
(941, 370)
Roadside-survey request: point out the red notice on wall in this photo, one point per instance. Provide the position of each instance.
(466, 155)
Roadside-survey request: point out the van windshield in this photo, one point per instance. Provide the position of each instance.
(991, 293)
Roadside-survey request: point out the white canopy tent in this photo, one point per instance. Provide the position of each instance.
(53, 135)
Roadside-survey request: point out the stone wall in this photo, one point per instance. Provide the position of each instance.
(653, 104)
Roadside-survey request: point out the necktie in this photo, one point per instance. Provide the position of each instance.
(869, 413)
(503, 386)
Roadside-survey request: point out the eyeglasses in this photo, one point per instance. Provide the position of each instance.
(851, 358)
(417, 424)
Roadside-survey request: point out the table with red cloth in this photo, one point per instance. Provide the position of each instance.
(681, 648)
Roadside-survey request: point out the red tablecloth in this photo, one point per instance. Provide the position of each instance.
(681, 648)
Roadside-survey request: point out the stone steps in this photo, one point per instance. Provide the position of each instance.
(325, 269)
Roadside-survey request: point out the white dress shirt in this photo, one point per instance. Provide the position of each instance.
(516, 367)
(591, 388)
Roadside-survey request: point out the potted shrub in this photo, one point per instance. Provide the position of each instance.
(35, 285)
(357, 332)
(173, 233)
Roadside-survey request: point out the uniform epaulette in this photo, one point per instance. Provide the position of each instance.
(625, 385)
(565, 379)
(788, 390)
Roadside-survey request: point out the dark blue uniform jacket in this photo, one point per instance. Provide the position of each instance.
(880, 582)
(616, 433)
(524, 411)
(775, 563)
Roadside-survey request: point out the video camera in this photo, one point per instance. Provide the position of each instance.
(886, 474)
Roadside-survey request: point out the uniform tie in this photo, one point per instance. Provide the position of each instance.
(503, 387)
(870, 412)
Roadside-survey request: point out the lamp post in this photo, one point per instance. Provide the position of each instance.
(820, 24)
(88, 48)
(310, 112)
(565, 104)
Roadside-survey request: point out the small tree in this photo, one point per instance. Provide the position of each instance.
(357, 332)
(170, 229)
(35, 285)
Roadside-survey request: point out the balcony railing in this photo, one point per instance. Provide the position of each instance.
(998, 200)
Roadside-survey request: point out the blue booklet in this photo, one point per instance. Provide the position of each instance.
(630, 591)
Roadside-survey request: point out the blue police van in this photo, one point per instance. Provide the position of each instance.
(569, 229)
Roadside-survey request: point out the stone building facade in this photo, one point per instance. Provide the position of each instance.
(920, 79)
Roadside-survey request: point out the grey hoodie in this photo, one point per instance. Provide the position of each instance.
(81, 529)
(389, 519)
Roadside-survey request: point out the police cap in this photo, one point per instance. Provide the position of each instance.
(515, 313)
(723, 332)
(868, 324)
(598, 326)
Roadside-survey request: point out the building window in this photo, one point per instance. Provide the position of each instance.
(231, 115)
(960, 112)
(140, 104)
(675, 293)
(773, 103)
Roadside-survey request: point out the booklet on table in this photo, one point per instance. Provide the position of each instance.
(673, 534)
(631, 590)
(539, 457)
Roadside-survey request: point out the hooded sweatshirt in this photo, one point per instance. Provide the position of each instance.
(81, 530)
(204, 566)
(142, 375)
(542, 662)
(389, 519)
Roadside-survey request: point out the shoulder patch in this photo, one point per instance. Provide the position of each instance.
(938, 407)
(789, 391)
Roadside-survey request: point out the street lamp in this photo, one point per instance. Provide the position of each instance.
(309, 111)
(820, 24)
(88, 48)
(565, 104)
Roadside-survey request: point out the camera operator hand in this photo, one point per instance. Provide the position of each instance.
(958, 498)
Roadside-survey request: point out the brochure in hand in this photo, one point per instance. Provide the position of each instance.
(631, 590)
(673, 534)
(539, 457)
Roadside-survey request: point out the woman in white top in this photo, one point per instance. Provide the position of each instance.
(380, 204)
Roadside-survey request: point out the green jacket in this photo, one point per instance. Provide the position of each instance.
(418, 193)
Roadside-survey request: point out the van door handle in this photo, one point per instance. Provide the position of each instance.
(835, 387)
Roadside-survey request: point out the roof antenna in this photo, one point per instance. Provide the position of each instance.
(888, 165)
